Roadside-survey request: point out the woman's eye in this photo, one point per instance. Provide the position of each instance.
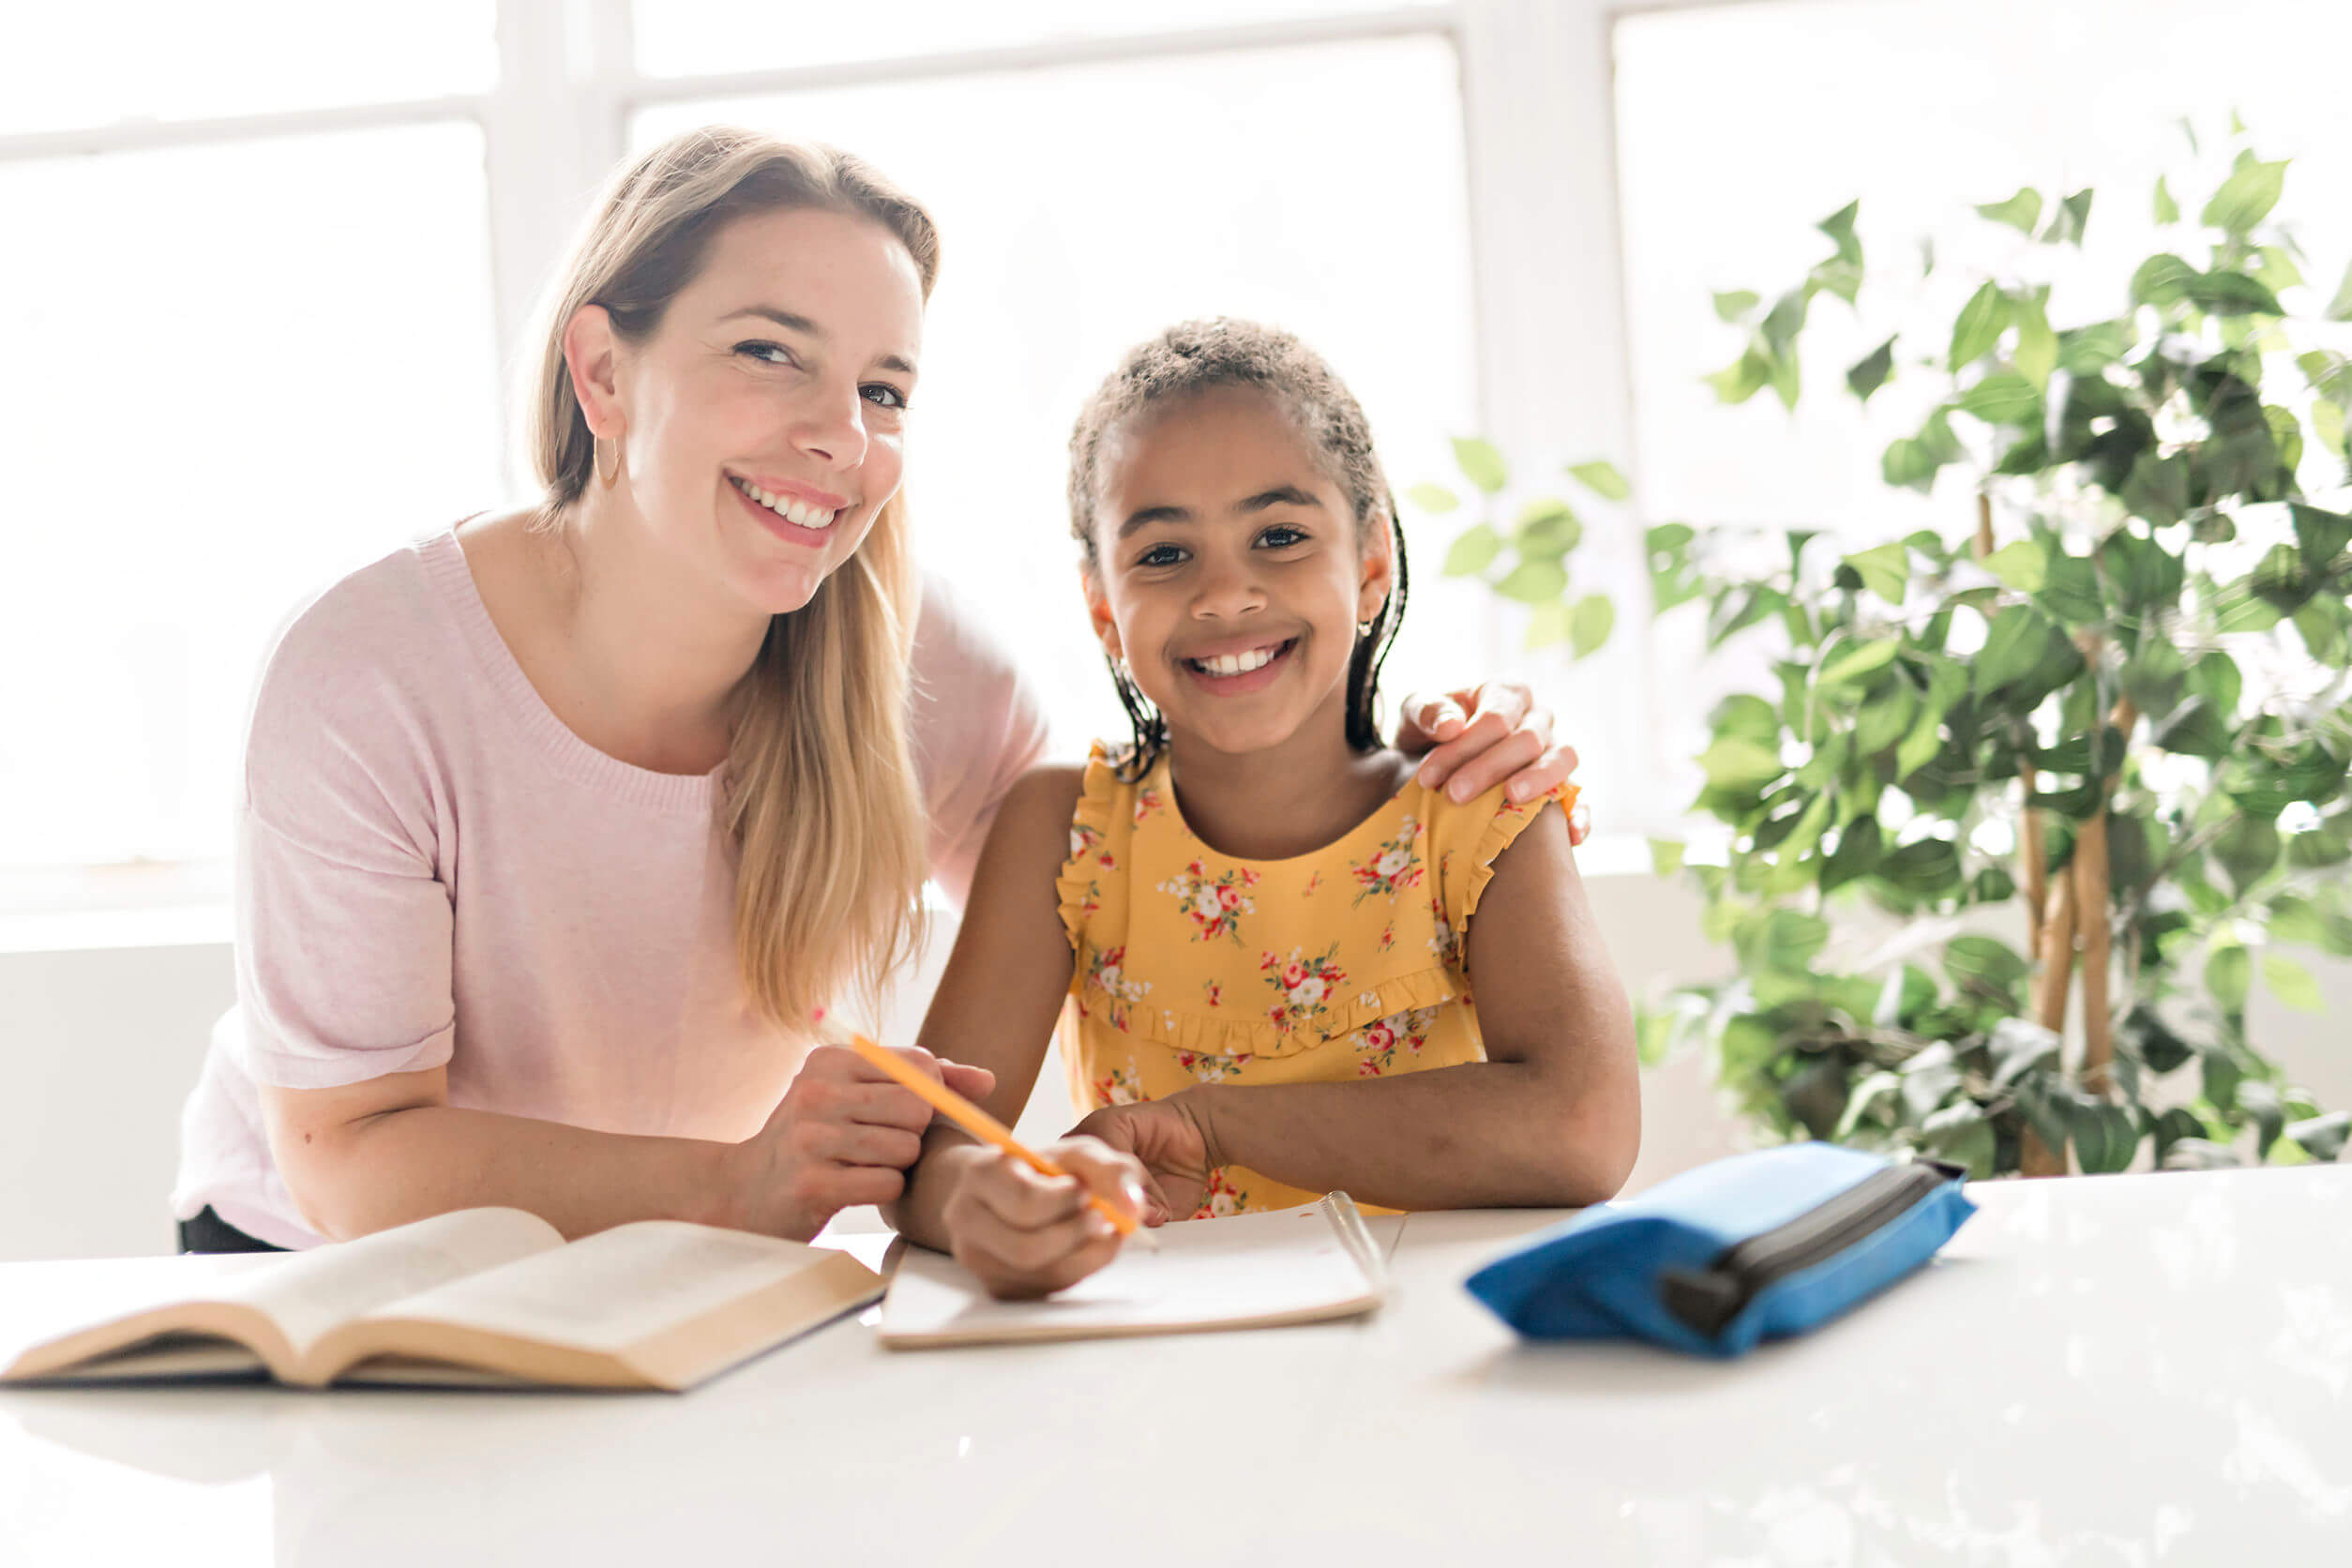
(767, 354)
(883, 395)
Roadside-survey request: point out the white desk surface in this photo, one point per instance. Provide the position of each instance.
(2125, 1370)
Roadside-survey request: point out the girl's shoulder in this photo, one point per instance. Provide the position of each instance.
(1466, 838)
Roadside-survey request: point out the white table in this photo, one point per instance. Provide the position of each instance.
(2133, 1369)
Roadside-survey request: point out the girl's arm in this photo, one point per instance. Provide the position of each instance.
(997, 1003)
(1552, 1117)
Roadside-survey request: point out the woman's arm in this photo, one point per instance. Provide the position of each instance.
(1552, 1117)
(393, 1149)
(995, 1007)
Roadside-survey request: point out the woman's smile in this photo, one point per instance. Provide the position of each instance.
(788, 517)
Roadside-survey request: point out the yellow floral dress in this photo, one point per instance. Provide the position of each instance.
(1195, 967)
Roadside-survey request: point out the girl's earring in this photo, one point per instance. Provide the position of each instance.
(611, 477)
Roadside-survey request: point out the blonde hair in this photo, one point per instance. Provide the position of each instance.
(820, 801)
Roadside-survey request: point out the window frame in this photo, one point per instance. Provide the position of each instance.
(1539, 117)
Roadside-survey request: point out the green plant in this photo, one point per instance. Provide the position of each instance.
(1526, 559)
(2116, 707)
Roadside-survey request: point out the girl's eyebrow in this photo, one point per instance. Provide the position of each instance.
(807, 329)
(1281, 495)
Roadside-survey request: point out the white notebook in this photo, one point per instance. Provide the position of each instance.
(1250, 1271)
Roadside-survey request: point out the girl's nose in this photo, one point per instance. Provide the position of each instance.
(1227, 586)
(832, 428)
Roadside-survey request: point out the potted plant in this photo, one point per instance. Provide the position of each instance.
(2091, 745)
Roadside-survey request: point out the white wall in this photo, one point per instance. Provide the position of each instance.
(102, 1044)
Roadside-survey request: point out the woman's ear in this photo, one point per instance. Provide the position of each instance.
(1098, 612)
(1377, 574)
(591, 354)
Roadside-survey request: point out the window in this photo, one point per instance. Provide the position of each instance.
(1261, 184)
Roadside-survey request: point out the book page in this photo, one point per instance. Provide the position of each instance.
(308, 1293)
(608, 1291)
(1250, 1269)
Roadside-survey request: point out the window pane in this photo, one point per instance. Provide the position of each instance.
(1740, 126)
(683, 37)
(234, 373)
(1267, 185)
(102, 61)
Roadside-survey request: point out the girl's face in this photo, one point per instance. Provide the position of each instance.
(763, 425)
(1228, 573)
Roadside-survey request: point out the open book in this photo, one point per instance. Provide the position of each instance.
(481, 1298)
(1250, 1271)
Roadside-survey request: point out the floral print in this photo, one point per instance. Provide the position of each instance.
(1147, 800)
(1391, 869)
(1223, 1198)
(1213, 993)
(1206, 1068)
(1106, 972)
(1120, 1087)
(1303, 985)
(1215, 904)
(1378, 1044)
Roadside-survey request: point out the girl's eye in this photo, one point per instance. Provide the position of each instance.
(1160, 555)
(1281, 535)
(767, 354)
(883, 394)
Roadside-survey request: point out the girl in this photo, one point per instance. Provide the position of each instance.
(1265, 922)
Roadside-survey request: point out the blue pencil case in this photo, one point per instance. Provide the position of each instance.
(1758, 1246)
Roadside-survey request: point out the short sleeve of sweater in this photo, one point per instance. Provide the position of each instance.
(976, 726)
(343, 952)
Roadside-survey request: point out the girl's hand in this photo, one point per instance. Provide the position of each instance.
(1172, 1141)
(1480, 738)
(1028, 1235)
(843, 1134)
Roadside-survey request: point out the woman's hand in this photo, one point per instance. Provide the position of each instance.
(1172, 1141)
(1482, 737)
(843, 1134)
(1028, 1235)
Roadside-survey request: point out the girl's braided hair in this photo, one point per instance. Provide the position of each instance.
(1197, 356)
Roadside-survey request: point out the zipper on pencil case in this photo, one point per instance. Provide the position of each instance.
(1704, 1300)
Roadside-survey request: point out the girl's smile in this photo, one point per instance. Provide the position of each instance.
(1232, 673)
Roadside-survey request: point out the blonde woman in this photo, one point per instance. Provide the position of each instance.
(556, 826)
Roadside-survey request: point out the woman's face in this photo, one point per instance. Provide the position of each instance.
(764, 419)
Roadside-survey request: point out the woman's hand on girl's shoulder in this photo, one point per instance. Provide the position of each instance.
(1027, 1235)
(1490, 735)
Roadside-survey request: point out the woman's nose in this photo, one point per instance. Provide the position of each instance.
(832, 428)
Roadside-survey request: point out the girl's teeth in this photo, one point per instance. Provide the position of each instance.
(1238, 664)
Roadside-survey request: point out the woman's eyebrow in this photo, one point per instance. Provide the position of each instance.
(807, 329)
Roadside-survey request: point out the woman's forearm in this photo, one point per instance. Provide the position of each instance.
(918, 1214)
(1483, 1134)
(404, 1164)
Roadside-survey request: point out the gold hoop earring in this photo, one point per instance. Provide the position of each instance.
(597, 455)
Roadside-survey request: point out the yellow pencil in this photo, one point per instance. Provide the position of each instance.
(987, 1129)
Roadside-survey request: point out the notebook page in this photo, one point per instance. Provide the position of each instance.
(1288, 1266)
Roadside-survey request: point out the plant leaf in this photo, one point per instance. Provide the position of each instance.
(2003, 397)
(1743, 379)
(1534, 581)
(1433, 498)
(2229, 976)
(1736, 764)
(1871, 371)
(1473, 551)
(2246, 197)
(2037, 353)
(1547, 623)
(1979, 325)
(1732, 304)
(1863, 658)
(1839, 226)
(2167, 210)
(1593, 619)
(2022, 564)
(1665, 856)
(2339, 308)
(1603, 479)
(1884, 570)
(2291, 983)
(1480, 463)
(2162, 279)
(2020, 212)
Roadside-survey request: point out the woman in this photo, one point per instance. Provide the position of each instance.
(556, 827)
